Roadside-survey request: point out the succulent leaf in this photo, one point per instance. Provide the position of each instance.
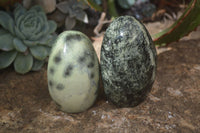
(52, 26)
(37, 8)
(187, 23)
(42, 16)
(48, 49)
(37, 65)
(6, 58)
(69, 23)
(27, 35)
(82, 16)
(82, 5)
(19, 11)
(47, 40)
(19, 45)
(23, 63)
(39, 52)
(19, 34)
(19, 20)
(6, 42)
(63, 7)
(126, 3)
(39, 27)
(2, 31)
(35, 37)
(44, 30)
(29, 43)
(95, 4)
(7, 22)
(51, 42)
(74, 9)
(28, 24)
(98, 2)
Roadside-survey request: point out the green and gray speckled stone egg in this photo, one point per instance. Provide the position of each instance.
(128, 62)
(73, 72)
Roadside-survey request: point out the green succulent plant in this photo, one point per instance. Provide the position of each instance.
(25, 38)
(73, 9)
(126, 3)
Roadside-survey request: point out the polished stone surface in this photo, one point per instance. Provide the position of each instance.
(128, 62)
(73, 72)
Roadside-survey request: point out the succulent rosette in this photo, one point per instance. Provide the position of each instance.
(74, 9)
(26, 38)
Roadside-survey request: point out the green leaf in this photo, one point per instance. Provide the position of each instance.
(6, 42)
(69, 23)
(37, 8)
(19, 34)
(19, 10)
(52, 26)
(28, 24)
(112, 8)
(81, 4)
(126, 3)
(6, 58)
(93, 5)
(19, 45)
(6, 21)
(48, 50)
(42, 16)
(37, 65)
(2, 31)
(45, 29)
(44, 40)
(98, 2)
(23, 63)
(62, 7)
(39, 35)
(82, 16)
(47, 40)
(39, 25)
(182, 27)
(30, 43)
(19, 20)
(39, 52)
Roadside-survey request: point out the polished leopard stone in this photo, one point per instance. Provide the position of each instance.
(128, 62)
(73, 72)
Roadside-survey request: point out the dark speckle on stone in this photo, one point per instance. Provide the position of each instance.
(87, 53)
(81, 59)
(90, 65)
(73, 37)
(51, 70)
(68, 70)
(60, 86)
(92, 75)
(50, 83)
(57, 59)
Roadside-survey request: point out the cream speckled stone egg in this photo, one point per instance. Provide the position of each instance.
(73, 72)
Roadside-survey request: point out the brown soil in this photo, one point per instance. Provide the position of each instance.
(172, 106)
